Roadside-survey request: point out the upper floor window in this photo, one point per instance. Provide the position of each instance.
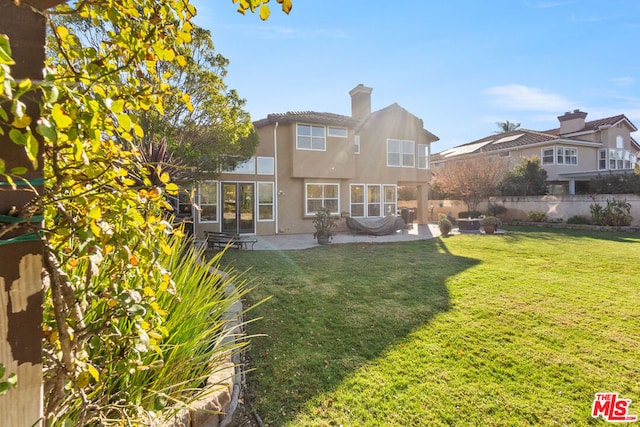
(566, 156)
(423, 156)
(337, 132)
(356, 144)
(619, 142)
(400, 153)
(309, 137)
(602, 159)
(547, 156)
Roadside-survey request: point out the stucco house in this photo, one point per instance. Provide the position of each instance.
(353, 165)
(572, 154)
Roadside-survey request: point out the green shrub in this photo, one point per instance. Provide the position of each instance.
(537, 216)
(444, 224)
(616, 213)
(495, 209)
(469, 214)
(579, 219)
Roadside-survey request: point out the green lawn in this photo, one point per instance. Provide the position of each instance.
(519, 329)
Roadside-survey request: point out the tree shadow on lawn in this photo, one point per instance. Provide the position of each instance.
(335, 308)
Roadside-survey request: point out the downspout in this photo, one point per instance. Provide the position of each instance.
(275, 167)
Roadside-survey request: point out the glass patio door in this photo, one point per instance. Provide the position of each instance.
(238, 214)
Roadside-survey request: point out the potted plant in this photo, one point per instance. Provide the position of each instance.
(324, 223)
(444, 224)
(490, 224)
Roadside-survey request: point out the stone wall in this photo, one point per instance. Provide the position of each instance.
(556, 207)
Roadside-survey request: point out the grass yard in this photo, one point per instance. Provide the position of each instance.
(519, 329)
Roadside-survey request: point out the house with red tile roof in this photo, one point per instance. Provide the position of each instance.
(572, 154)
(353, 165)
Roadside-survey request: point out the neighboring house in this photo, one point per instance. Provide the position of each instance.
(305, 161)
(572, 154)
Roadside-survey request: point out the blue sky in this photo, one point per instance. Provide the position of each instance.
(460, 65)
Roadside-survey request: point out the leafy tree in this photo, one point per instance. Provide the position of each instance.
(105, 231)
(527, 178)
(507, 126)
(472, 179)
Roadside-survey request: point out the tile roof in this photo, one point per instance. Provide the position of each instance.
(593, 125)
(312, 117)
(522, 137)
(501, 141)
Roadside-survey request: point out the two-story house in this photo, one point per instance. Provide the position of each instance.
(572, 154)
(353, 165)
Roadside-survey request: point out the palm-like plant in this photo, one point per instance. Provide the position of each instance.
(507, 126)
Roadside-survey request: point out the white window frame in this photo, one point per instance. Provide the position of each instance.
(270, 203)
(389, 207)
(423, 160)
(311, 137)
(362, 203)
(406, 148)
(356, 144)
(337, 132)
(552, 154)
(214, 202)
(602, 158)
(322, 198)
(265, 166)
(248, 167)
(563, 156)
(384, 204)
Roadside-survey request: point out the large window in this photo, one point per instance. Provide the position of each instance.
(373, 200)
(208, 202)
(320, 196)
(566, 156)
(309, 137)
(400, 153)
(265, 201)
(423, 156)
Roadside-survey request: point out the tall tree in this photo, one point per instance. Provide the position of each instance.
(472, 179)
(507, 126)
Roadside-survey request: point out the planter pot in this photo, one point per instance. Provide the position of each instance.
(472, 224)
(323, 240)
(490, 228)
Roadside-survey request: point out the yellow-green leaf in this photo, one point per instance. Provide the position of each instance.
(172, 189)
(93, 372)
(95, 213)
(264, 12)
(124, 121)
(61, 119)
